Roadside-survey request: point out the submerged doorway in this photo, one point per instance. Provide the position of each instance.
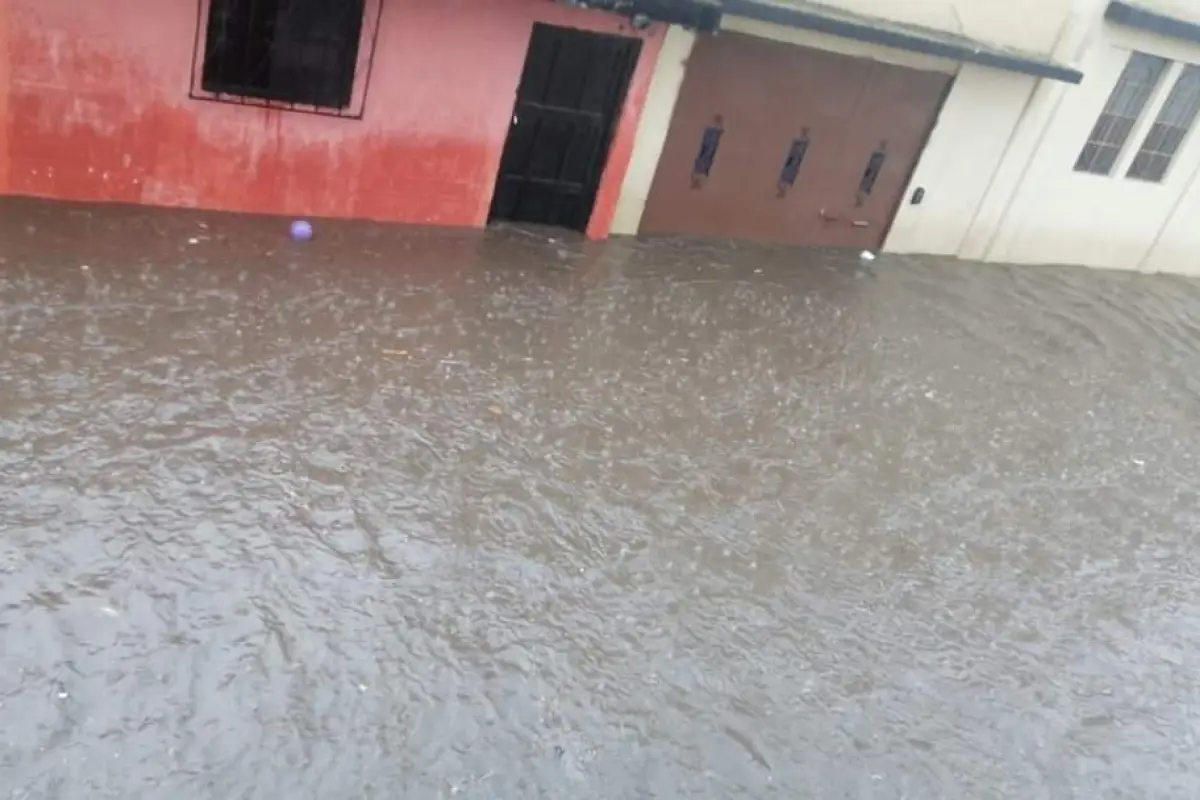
(571, 93)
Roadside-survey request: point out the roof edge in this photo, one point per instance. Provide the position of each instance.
(1143, 19)
(912, 38)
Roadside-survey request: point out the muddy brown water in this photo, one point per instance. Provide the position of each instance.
(427, 514)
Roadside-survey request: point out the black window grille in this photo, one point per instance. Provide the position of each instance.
(301, 54)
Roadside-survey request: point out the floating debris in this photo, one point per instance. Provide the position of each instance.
(301, 230)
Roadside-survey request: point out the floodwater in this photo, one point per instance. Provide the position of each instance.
(432, 514)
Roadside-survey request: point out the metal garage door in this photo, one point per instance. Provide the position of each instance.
(775, 142)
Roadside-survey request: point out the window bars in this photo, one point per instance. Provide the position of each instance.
(310, 56)
(1174, 120)
(1125, 105)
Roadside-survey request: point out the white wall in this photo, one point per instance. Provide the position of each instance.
(1031, 25)
(1177, 247)
(961, 160)
(1053, 214)
(836, 44)
(655, 121)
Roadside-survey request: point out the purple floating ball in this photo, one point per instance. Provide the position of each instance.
(302, 230)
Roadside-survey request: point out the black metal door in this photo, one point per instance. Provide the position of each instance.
(568, 101)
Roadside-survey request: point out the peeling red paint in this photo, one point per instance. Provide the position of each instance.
(96, 102)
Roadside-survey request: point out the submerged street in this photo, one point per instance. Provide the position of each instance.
(439, 513)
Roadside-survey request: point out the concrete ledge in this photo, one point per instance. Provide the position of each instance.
(1142, 19)
(824, 19)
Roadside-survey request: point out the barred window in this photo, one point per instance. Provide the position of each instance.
(1125, 105)
(290, 53)
(1174, 120)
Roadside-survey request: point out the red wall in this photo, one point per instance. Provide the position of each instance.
(98, 109)
(5, 82)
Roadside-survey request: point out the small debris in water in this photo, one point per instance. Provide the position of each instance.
(394, 352)
(109, 611)
(867, 255)
(301, 230)
(84, 267)
(497, 410)
(63, 695)
(193, 240)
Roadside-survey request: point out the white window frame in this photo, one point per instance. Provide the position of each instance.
(1141, 128)
(1184, 141)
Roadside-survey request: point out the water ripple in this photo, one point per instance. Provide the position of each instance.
(431, 513)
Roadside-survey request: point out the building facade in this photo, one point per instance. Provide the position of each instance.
(398, 111)
(909, 108)
(1029, 131)
(1062, 132)
(1106, 174)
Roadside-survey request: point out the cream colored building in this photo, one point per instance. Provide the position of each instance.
(1064, 135)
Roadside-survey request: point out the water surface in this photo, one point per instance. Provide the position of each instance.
(425, 514)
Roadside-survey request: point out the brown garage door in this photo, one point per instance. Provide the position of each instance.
(780, 143)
